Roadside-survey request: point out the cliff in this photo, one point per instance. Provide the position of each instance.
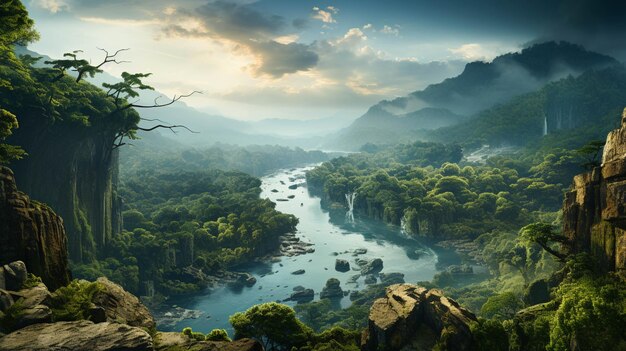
(31, 232)
(75, 172)
(414, 318)
(594, 212)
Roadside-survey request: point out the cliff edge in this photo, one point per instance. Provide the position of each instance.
(594, 211)
(33, 233)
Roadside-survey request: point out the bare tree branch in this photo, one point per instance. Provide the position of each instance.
(174, 99)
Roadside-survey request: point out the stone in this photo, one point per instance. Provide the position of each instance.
(409, 312)
(32, 234)
(34, 315)
(302, 296)
(77, 336)
(37, 295)
(246, 279)
(293, 186)
(360, 251)
(594, 210)
(122, 306)
(332, 289)
(370, 279)
(15, 275)
(373, 266)
(170, 340)
(298, 272)
(342, 265)
(6, 300)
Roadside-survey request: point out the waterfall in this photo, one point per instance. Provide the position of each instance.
(545, 125)
(350, 200)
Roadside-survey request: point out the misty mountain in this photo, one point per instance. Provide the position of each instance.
(209, 129)
(480, 86)
(566, 113)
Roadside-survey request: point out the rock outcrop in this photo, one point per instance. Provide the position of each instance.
(411, 317)
(594, 212)
(78, 336)
(177, 341)
(33, 233)
(122, 306)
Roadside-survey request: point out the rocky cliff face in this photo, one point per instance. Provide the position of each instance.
(410, 317)
(594, 212)
(75, 171)
(31, 232)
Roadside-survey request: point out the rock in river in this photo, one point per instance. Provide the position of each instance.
(332, 289)
(373, 266)
(298, 272)
(342, 265)
(302, 296)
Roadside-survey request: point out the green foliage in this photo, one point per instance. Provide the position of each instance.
(10, 317)
(16, 28)
(489, 335)
(31, 281)
(591, 315)
(188, 332)
(72, 302)
(218, 335)
(545, 235)
(502, 306)
(273, 324)
(8, 153)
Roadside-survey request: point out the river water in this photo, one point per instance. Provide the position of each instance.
(333, 237)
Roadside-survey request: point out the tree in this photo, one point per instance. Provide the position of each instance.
(16, 28)
(273, 324)
(544, 235)
(591, 152)
(8, 153)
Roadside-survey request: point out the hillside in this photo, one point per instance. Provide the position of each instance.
(482, 85)
(569, 112)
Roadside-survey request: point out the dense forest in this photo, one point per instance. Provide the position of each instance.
(130, 212)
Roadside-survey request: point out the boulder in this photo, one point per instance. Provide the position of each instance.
(15, 275)
(302, 296)
(411, 314)
(33, 315)
(372, 267)
(122, 306)
(298, 272)
(246, 279)
(6, 300)
(360, 251)
(342, 265)
(32, 234)
(77, 336)
(332, 289)
(177, 341)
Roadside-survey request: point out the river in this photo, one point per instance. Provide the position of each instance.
(333, 237)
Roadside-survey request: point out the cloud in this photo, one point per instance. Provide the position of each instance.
(395, 30)
(325, 15)
(249, 31)
(278, 59)
(473, 52)
(53, 6)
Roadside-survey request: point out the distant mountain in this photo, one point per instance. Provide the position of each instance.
(566, 113)
(480, 86)
(211, 129)
(379, 126)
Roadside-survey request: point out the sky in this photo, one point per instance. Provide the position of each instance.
(309, 59)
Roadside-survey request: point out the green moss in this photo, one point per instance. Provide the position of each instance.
(31, 281)
(10, 317)
(72, 302)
